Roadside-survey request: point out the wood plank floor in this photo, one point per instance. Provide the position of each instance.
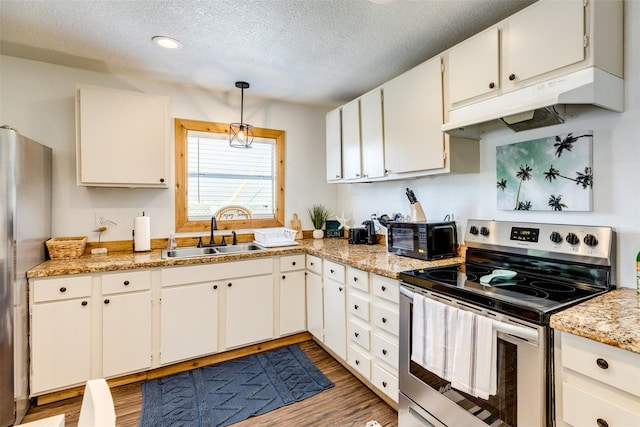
(348, 404)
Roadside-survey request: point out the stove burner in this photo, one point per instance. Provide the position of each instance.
(524, 291)
(553, 287)
(448, 276)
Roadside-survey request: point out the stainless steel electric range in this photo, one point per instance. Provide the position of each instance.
(517, 274)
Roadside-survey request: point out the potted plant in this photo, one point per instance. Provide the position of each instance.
(319, 215)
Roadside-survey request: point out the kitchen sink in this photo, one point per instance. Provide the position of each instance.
(239, 248)
(193, 251)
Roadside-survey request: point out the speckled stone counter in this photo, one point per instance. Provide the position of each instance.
(612, 318)
(374, 258)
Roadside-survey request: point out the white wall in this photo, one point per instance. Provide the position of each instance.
(616, 169)
(38, 100)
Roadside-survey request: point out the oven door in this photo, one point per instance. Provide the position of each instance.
(520, 399)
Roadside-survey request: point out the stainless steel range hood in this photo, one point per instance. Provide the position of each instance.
(542, 104)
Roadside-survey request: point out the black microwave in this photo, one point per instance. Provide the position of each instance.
(423, 240)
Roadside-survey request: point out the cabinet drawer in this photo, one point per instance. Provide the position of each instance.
(292, 262)
(385, 287)
(314, 264)
(65, 287)
(215, 271)
(386, 351)
(334, 271)
(358, 279)
(386, 318)
(610, 365)
(385, 381)
(359, 306)
(581, 408)
(360, 334)
(360, 361)
(126, 282)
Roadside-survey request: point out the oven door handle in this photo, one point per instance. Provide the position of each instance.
(515, 330)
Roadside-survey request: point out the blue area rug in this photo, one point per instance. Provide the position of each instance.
(232, 391)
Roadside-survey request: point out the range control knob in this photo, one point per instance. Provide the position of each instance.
(572, 239)
(473, 230)
(555, 237)
(590, 240)
(484, 231)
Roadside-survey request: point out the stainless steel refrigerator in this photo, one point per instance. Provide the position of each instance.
(25, 224)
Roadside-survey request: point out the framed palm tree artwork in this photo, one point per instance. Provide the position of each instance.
(548, 174)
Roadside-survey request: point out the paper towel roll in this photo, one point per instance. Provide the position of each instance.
(141, 234)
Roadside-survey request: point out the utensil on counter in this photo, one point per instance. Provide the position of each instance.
(417, 214)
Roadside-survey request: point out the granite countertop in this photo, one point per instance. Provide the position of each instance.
(612, 318)
(372, 258)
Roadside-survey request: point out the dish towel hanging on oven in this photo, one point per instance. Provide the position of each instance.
(457, 345)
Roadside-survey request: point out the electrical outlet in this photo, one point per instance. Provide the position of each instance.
(102, 219)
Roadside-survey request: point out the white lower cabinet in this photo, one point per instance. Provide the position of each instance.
(596, 384)
(335, 323)
(249, 310)
(60, 332)
(189, 321)
(314, 299)
(292, 310)
(126, 322)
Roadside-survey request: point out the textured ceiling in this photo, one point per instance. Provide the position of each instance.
(310, 51)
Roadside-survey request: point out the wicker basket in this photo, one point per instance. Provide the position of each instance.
(66, 247)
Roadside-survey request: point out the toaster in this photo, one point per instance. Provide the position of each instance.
(358, 236)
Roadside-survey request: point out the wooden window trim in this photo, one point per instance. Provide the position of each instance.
(181, 127)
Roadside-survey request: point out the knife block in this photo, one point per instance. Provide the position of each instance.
(417, 214)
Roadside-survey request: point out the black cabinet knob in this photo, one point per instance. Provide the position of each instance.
(384, 320)
(284, 277)
(215, 287)
(512, 77)
(356, 334)
(229, 284)
(384, 384)
(293, 263)
(384, 352)
(355, 279)
(331, 271)
(63, 289)
(355, 306)
(161, 179)
(107, 301)
(126, 283)
(602, 364)
(384, 288)
(602, 423)
(311, 263)
(84, 303)
(357, 362)
(492, 85)
(340, 289)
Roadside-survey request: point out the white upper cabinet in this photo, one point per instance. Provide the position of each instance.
(372, 134)
(351, 152)
(334, 145)
(549, 36)
(121, 138)
(412, 119)
(474, 67)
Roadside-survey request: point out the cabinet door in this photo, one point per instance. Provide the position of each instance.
(334, 145)
(372, 135)
(189, 319)
(116, 131)
(335, 325)
(60, 344)
(292, 302)
(315, 323)
(474, 67)
(126, 333)
(412, 119)
(249, 310)
(546, 36)
(351, 160)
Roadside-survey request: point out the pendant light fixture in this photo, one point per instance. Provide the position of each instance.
(241, 134)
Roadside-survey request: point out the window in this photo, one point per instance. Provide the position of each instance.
(242, 188)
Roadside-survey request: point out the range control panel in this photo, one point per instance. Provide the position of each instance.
(572, 240)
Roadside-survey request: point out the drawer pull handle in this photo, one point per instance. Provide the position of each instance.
(602, 364)
(384, 288)
(126, 283)
(356, 334)
(602, 423)
(355, 306)
(384, 352)
(384, 384)
(63, 289)
(84, 303)
(384, 320)
(106, 301)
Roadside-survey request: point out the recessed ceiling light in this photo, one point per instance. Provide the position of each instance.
(167, 42)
